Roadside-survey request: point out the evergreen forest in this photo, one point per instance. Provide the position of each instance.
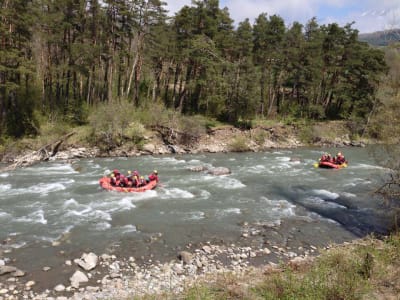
(61, 60)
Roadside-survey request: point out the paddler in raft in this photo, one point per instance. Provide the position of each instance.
(326, 157)
(153, 176)
(115, 178)
(340, 159)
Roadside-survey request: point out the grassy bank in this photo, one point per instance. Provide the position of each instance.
(365, 269)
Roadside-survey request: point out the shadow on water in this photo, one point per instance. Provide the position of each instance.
(377, 219)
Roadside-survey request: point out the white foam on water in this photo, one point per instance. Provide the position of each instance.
(128, 228)
(322, 202)
(61, 169)
(194, 161)
(283, 158)
(326, 194)
(194, 215)
(102, 226)
(5, 187)
(126, 204)
(47, 239)
(316, 216)
(4, 215)
(258, 169)
(282, 152)
(94, 182)
(228, 211)
(43, 188)
(281, 166)
(285, 208)
(224, 182)
(366, 166)
(171, 160)
(34, 217)
(4, 175)
(18, 245)
(174, 193)
(205, 194)
(144, 195)
(357, 181)
(70, 203)
(349, 195)
(78, 213)
(95, 166)
(281, 208)
(99, 214)
(190, 178)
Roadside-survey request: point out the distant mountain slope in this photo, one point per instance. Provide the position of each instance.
(381, 38)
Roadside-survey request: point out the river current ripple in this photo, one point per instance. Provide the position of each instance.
(59, 206)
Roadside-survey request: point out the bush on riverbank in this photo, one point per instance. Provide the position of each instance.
(364, 269)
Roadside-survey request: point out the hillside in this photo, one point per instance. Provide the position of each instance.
(381, 38)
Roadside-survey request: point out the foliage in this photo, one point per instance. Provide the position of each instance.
(260, 136)
(68, 57)
(111, 123)
(239, 144)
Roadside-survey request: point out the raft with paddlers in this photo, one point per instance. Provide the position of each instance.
(133, 182)
(328, 162)
(105, 183)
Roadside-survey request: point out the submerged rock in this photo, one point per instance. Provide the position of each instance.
(219, 171)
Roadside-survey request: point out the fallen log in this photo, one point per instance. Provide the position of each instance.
(43, 154)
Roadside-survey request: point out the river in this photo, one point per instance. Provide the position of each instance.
(56, 210)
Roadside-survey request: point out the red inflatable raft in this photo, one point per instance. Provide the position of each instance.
(105, 183)
(329, 165)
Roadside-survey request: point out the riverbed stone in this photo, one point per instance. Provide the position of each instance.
(185, 256)
(88, 261)
(77, 278)
(7, 269)
(59, 288)
(219, 171)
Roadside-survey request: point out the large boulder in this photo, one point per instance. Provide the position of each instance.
(88, 261)
(78, 278)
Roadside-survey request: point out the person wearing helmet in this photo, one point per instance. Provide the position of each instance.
(129, 179)
(117, 177)
(142, 181)
(153, 176)
(340, 159)
(113, 180)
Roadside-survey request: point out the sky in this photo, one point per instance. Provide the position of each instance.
(368, 15)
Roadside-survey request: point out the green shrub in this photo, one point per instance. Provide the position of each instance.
(260, 136)
(109, 123)
(307, 134)
(239, 144)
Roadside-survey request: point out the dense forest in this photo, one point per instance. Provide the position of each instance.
(62, 59)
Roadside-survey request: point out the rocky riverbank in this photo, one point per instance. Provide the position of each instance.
(221, 139)
(108, 276)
